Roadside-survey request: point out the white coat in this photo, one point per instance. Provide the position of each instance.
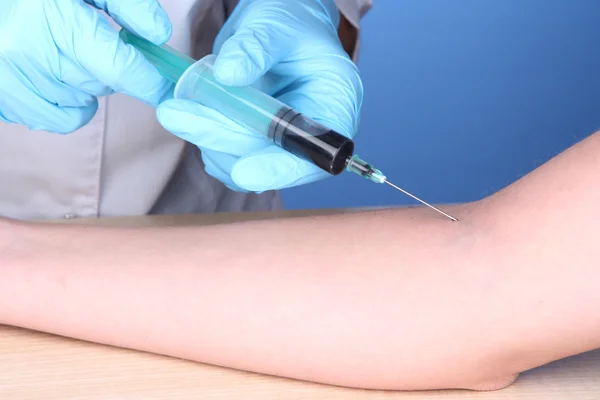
(123, 162)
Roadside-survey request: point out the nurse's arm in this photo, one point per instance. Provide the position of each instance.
(402, 299)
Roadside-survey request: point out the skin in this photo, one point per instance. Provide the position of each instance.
(397, 299)
(348, 35)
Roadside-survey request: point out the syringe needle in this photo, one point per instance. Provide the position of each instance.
(419, 200)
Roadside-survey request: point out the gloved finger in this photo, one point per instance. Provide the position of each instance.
(207, 128)
(47, 116)
(274, 168)
(23, 76)
(219, 166)
(45, 86)
(76, 77)
(97, 48)
(146, 18)
(254, 48)
(331, 15)
(67, 119)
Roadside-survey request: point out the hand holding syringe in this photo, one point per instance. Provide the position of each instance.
(260, 113)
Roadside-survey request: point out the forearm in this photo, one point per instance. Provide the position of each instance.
(395, 299)
(360, 300)
(546, 226)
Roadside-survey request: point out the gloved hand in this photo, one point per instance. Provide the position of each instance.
(289, 49)
(57, 56)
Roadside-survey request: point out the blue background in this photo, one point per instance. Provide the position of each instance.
(464, 97)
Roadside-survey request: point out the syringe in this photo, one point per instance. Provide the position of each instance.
(260, 113)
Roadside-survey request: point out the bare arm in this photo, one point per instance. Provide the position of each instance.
(398, 299)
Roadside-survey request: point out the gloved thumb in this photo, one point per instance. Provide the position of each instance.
(273, 168)
(146, 18)
(250, 53)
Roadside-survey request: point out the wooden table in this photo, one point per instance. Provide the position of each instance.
(34, 365)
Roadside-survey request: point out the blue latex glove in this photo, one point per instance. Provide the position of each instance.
(57, 56)
(291, 50)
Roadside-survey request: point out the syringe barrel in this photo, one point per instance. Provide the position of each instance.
(249, 107)
(266, 116)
